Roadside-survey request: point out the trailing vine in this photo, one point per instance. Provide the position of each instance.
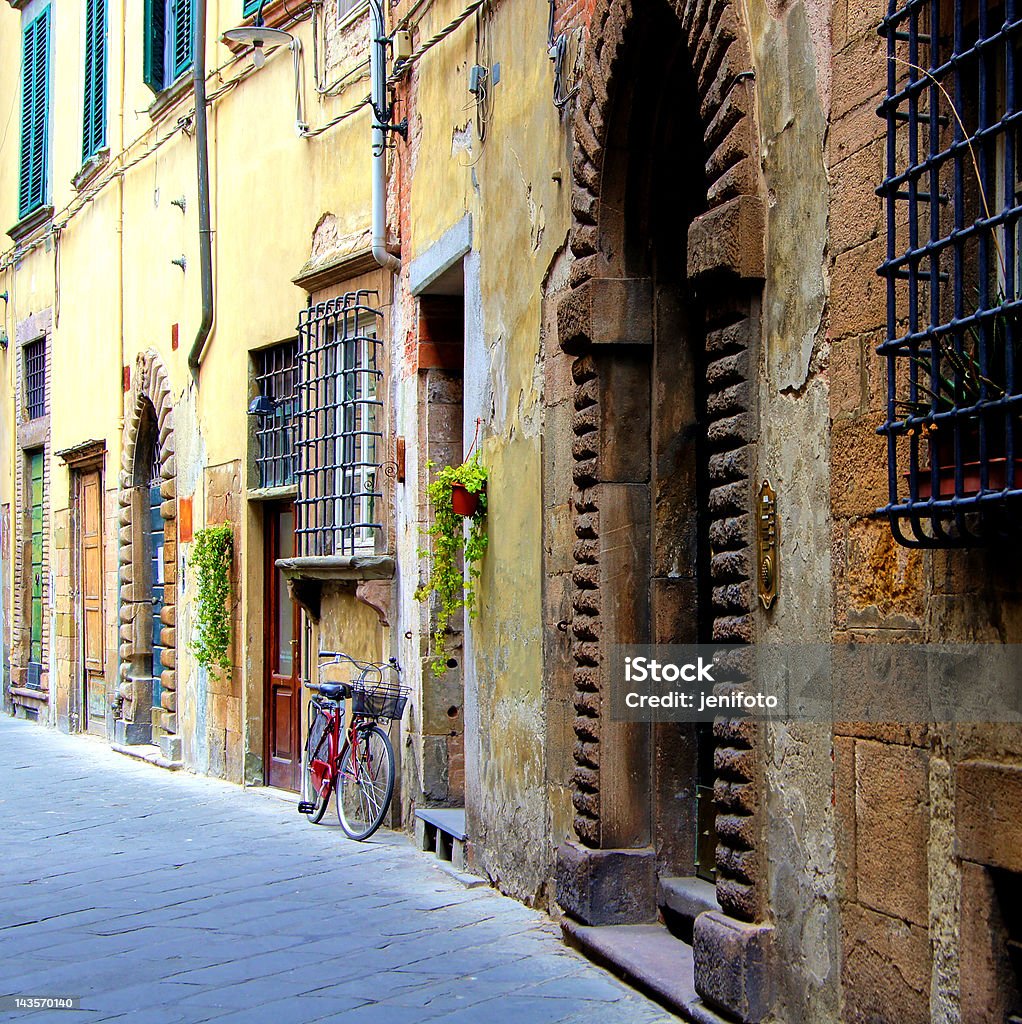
(212, 556)
(453, 589)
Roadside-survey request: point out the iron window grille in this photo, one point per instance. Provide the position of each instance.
(35, 378)
(340, 434)
(952, 193)
(277, 379)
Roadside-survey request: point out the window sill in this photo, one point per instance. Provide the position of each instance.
(286, 493)
(276, 14)
(338, 568)
(91, 168)
(170, 96)
(353, 15)
(308, 576)
(32, 225)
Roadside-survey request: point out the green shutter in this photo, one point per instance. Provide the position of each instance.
(182, 13)
(154, 64)
(251, 6)
(35, 115)
(94, 106)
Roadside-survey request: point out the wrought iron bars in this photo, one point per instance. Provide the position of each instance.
(953, 308)
(35, 378)
(277, 379)
(340, 435)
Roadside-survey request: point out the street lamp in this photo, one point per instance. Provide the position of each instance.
(257, 36)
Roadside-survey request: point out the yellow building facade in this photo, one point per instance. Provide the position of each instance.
(143, 436)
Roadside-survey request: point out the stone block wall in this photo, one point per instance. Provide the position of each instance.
(918, 887)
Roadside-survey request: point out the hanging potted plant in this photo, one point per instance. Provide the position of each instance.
(456, 494)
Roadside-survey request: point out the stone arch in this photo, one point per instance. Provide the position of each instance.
(150, 423)
(600, 316)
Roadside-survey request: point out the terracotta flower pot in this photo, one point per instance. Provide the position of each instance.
(942, 451)
(463, 501)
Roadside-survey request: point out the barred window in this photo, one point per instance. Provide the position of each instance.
(340, 427)
(35, 378)
(276, 374)
(952, 196)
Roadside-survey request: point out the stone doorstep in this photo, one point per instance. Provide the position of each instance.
(649, 957)
(687, 897)
(147, 752)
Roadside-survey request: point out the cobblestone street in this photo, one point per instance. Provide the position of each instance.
(164, 898)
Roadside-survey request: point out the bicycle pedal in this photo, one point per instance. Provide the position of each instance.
(306, 807)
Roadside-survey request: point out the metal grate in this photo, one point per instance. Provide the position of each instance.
(35, 378)
(952, 191)
(277, 379)
(340, 427)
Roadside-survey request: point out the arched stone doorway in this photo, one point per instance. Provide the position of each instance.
(662, 314)
(146, 709)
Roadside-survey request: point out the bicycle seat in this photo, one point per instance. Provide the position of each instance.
(334, 691)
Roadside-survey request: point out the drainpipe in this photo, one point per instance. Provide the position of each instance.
(378, 97)
(202, 166)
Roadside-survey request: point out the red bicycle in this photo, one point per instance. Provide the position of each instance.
(354, 762)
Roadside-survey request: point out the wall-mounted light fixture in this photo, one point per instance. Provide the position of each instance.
(257, 35)
(263, 406)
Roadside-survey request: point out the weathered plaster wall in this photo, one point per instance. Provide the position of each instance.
(520, 217)
(791, 53)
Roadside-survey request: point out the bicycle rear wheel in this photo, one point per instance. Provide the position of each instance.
(366, 782)
(319, 775)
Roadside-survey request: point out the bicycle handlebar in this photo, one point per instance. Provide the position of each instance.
(362, 666)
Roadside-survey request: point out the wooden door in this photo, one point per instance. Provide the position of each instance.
(90, 589)
(282, 691)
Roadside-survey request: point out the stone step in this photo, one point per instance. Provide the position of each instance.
(649, 957)
(684, 898)
(442, 830)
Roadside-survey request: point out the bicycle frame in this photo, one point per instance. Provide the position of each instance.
(322, 772)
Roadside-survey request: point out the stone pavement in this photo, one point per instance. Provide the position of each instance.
(166, 897)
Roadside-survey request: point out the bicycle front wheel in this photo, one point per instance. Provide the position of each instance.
(366, 782)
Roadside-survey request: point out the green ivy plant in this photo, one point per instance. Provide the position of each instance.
(213, 555)
(446, 579)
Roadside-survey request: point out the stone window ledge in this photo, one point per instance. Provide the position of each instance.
(22, 694)
(338, 568)
(170, 96)
(31, 226)
(288, 492)
(91, 168)
(308, 576)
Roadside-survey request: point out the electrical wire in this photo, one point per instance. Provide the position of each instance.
(439, 37)
(559, 55)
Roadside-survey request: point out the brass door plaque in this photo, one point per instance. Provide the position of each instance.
(766, 544)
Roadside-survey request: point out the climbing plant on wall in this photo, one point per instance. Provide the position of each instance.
(212, 557)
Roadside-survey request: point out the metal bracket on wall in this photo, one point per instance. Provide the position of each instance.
(766, 544)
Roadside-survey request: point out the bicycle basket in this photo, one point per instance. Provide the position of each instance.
(382, 700)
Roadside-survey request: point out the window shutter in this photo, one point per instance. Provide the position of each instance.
(251, 6)
(181, 45)
(94, 107)
(34, 114)
(154, 65)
